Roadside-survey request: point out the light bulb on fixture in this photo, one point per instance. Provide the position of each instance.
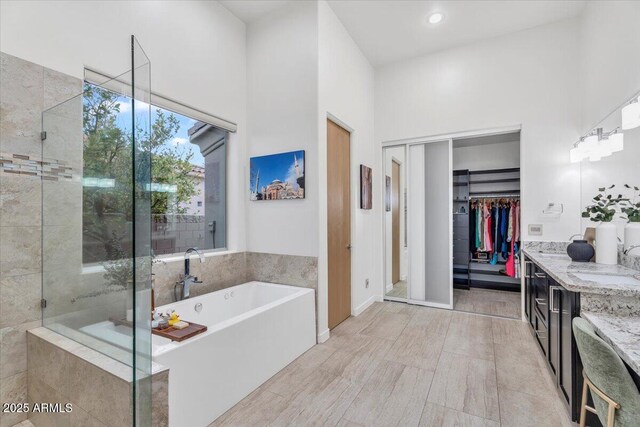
(576, 154)
(595, 156)
(631, 115)
(435, 18)
(616, 141)
(604, 148)
(590, 145)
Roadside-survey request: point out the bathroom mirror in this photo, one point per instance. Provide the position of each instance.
(616, 169)
(395, 219)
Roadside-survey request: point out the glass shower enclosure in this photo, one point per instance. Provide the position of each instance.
(96, 222)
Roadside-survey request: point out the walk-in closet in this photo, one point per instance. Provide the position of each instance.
(472, 183)
(486, 224)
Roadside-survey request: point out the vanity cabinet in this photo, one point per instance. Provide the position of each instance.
(550, 309)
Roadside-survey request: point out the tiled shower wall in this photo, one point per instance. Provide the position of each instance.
(26, 89)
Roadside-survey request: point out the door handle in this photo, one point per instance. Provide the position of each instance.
(526, 269)
(540, 275)
(349, 246)
(552, 304)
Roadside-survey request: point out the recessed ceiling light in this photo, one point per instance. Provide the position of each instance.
(434, 18)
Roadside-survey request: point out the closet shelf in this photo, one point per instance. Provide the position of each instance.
(489, 194)
(491, 171)
(494, 181)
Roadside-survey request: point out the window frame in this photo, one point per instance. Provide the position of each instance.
(101, 79)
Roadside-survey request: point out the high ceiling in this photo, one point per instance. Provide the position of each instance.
(387, 31)
(248, 10)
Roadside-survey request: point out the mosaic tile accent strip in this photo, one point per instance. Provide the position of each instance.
(48, 169)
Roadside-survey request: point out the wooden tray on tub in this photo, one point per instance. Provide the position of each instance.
(180, 334)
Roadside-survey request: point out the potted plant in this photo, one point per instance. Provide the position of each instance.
(631, 208)
(602, 210)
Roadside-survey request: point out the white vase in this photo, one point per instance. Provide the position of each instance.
(606, 243)
(631, 234)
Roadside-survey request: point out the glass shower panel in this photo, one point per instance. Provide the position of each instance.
(141, 139)
(430, 224)
(96, 222)
(87, 218)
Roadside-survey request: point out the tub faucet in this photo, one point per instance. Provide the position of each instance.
(188, 279)
(630, 248)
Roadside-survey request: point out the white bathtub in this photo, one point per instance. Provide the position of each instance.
(254, 330)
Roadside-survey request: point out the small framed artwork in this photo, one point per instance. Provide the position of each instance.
(387, 193)
(366, 187)
(277, 176)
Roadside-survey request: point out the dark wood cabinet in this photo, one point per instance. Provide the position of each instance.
(550, 309)
(567, 373)
(528, 290)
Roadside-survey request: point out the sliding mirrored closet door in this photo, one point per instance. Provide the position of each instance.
(430, 224)
(395, 223)
(418, 224)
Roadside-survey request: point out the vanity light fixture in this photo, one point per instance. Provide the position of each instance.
(596, 145)
(435, 18)
(616, 140)
(631, 114)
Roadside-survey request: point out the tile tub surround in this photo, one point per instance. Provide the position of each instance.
(284, 269)
(621, 332)
(61, 370)
(26, 89)
(219, 271)
(226, 269)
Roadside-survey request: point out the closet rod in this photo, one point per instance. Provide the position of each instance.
(495, 196)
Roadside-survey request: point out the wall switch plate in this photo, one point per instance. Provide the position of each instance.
(535, 229)
(366, 283)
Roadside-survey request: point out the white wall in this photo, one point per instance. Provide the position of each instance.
(487, 156)
(282, 84)
(526, 78)
(609, 57)
(197, 52)
(610, 74)
(346, 89)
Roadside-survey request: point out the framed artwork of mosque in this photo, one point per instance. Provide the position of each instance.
(277, 176)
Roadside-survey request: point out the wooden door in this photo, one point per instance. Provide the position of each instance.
(395, 222)
(339, 223)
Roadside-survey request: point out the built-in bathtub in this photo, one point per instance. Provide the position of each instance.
(254, 330)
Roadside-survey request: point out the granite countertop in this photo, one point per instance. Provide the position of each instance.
(560, 267)
(621, 332)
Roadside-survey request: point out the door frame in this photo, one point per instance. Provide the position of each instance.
(407, 142)
(353, 204)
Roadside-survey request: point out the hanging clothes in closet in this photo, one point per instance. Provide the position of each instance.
(495, 232)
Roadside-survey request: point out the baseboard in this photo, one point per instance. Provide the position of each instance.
(389, 287)
(323, 336)
(362, 307)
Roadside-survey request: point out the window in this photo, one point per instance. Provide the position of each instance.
(188, 183)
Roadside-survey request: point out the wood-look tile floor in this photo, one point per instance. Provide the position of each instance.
(399, 290)
(488, 301)
(403, 365)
